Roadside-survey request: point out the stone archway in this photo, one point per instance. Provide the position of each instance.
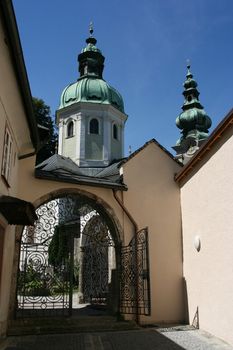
(70, 211)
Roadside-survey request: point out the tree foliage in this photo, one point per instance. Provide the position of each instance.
(58, 248)
(43, 117)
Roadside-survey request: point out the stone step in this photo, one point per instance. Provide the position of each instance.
(68, 325)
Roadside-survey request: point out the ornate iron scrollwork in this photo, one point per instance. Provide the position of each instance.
(68, 236)
(70, 250)
(134, 276)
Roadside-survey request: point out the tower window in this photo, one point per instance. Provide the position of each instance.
(94, 126)
(115, 132)
(70, 129)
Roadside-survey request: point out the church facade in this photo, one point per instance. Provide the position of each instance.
(172, 212)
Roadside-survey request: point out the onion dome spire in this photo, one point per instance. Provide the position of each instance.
(90, 86)
(91, 60)
(193, 121)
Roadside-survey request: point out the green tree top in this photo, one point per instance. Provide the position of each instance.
(43, 117)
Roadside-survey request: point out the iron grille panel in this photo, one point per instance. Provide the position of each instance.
(134, 276)
(51, 267)
(66, 228)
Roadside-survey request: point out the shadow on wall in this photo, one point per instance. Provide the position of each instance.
(195, 320)
(185, 302)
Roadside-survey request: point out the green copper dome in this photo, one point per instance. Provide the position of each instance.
(91, 90)
(193, 121)
(91, 87)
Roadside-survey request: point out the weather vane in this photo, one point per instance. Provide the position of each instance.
(188, 63)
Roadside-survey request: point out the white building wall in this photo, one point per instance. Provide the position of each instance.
(207, 207)
(60, 137)
(77, 132)
(76, 147)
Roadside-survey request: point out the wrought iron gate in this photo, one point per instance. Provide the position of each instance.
(134, 276)
(55, 258)
(96, 261)
(70, 250)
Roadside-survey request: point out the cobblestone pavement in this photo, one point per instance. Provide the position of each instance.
(145, 339)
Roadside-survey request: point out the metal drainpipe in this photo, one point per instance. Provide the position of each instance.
(121, 204)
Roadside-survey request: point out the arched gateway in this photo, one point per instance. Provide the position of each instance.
(72, 262)
(69, 259)
(73, 256)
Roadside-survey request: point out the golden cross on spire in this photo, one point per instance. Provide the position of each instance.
(91, 28)
(188, 63)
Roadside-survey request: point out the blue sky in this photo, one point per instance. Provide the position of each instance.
(145, 44)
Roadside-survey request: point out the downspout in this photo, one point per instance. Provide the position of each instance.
(135, 225)
(125, 211)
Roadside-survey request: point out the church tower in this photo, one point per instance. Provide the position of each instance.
(193, 122)
(91, 115)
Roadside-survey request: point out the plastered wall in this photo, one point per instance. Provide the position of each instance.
(153, 199)
(12, 116)
(207, 202)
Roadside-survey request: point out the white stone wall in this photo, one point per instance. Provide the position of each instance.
(79, 146)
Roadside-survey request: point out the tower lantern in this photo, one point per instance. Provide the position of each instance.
(193, 121)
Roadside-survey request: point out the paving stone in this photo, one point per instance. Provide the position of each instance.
(197, 340)
(143, 339)
(188, 340)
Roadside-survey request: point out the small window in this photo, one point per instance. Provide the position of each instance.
(70, 129)
(115, 132)
(94, 126)
(7, 155)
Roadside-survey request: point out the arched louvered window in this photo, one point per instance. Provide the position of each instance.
(115, 132)
(70, 129)
(94, 126)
